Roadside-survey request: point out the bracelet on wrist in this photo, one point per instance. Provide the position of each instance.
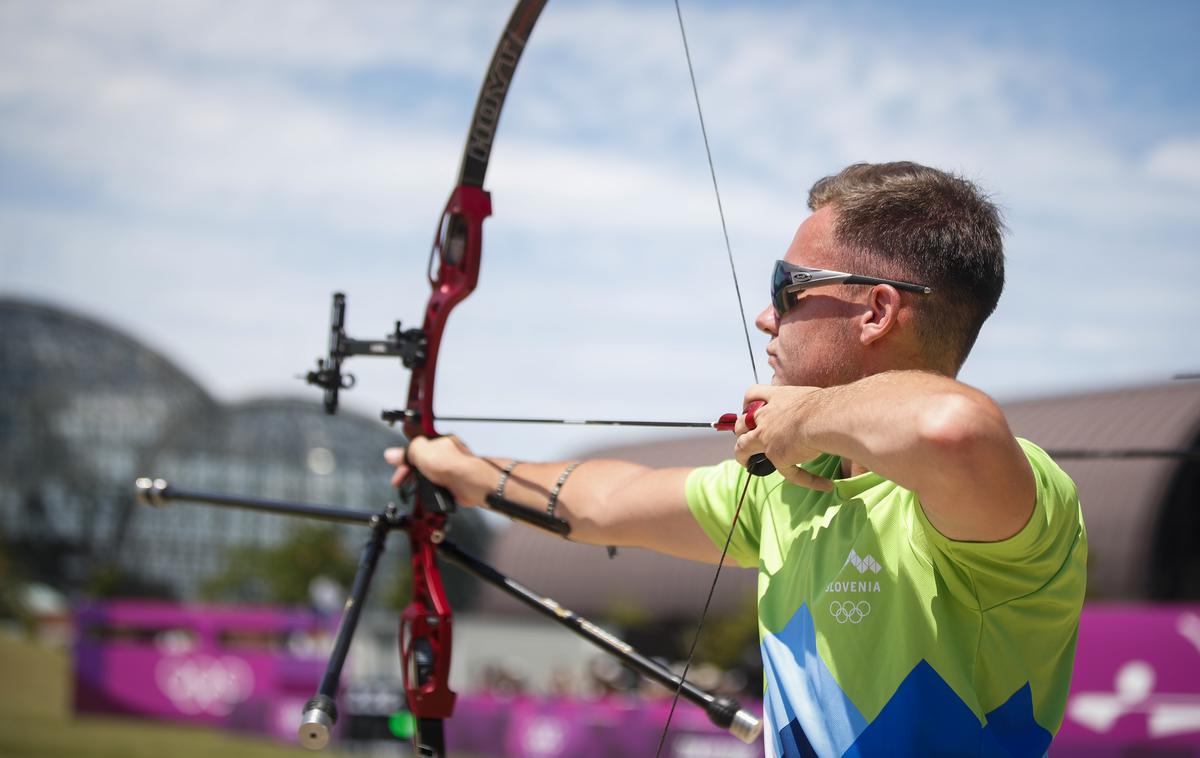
(504, 474)
(553, 502)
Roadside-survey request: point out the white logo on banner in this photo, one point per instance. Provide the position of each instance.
(204, 684)
(1188, 627)
(545, 736)
(1167, 714)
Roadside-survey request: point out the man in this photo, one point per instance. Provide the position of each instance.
(921, 571)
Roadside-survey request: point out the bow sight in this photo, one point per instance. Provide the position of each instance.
(409, 345)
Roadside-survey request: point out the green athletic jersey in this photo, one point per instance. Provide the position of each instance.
(881, 636)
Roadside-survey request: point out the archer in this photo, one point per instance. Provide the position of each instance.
(921, 570)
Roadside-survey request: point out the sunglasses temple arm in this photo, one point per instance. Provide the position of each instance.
(855, 279)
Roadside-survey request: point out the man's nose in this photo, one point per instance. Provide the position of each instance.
(767, 322)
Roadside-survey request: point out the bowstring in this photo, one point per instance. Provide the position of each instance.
(716, 191)
(662, 740)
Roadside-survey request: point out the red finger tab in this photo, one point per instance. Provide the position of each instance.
(750, 409)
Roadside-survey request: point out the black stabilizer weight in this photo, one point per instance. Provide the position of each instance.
(726, 713)
(721, 711)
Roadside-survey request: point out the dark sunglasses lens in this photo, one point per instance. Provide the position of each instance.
(780, 280)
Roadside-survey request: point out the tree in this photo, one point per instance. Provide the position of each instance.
(10, 580)
(282, 573)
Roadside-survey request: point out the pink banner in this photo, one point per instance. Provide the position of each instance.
(1136, 688)
(616, 726)
(250, 669)
(1137, 682)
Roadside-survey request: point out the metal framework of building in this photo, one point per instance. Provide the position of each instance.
(86, 409)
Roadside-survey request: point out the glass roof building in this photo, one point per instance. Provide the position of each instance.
(85, 409)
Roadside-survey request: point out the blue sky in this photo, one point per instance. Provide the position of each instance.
(203, 175)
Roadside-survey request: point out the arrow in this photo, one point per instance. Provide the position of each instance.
(723, 424)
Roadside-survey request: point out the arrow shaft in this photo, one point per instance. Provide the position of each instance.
(580, 422)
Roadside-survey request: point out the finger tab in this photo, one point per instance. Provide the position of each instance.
(750, 409)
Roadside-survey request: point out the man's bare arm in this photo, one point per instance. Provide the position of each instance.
(606, 502)
(947, 442)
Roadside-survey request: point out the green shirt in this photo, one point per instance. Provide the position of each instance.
(879, 635)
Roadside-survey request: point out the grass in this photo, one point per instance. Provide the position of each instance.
(36, 719)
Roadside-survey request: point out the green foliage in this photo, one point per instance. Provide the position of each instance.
(110, 581)
(725, 640)
(399, 589)
(282, 573)
(10, 579)
(627, 614)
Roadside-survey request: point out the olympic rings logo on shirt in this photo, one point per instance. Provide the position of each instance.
(849, 611)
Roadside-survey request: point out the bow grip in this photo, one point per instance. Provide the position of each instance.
(436, 499)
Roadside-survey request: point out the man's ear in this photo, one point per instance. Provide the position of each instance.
(882, 314)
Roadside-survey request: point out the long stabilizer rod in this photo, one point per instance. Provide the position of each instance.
(722, 711)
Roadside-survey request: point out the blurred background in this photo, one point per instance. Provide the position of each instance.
(183, 186)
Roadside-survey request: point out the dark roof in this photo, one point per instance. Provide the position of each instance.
(1125, 503)
(635, 583)
(1125, 500)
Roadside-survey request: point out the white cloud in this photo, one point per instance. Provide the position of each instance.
(205, 173)
(310, 35)
(1177, 161)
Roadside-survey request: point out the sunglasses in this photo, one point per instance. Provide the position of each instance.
(788, 280)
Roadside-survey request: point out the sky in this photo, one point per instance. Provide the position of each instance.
(203, 175)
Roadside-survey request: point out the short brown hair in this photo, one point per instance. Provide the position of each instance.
(907, 221)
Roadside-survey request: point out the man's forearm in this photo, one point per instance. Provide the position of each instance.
(903, 425)
(606, 502)
(586, 498)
